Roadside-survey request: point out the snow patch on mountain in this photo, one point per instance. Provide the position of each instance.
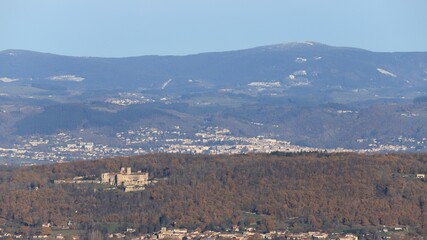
(291, 45)
(299, 82)
(8, 80)
(165, 84)
(300, 73)
(409, 114)
(264, 84)
(8, 52)
(72, 78)
(344, 111)
(300, 60)
(226, 90)
(385, 72)
(298, 79)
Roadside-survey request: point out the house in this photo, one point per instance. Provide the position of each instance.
(318, 235)
(348, 237)
(421, 176)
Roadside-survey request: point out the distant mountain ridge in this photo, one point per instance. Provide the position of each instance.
(294, 65)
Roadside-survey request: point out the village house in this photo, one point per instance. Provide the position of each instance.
(348, 237)
(421, 176)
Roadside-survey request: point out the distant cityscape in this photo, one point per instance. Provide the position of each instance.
(84, 144)
(68, 146)
(65, 146)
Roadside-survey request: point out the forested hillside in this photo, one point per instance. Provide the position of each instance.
(276, 191)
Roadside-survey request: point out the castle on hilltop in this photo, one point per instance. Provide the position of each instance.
(126, 179)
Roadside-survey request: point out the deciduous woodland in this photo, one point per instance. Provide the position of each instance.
(294, 191)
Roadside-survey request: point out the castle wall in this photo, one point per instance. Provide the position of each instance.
(108, 178)
(132, 179)
(125, 178)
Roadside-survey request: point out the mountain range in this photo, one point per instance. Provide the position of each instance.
(300, 67)
(308, 93)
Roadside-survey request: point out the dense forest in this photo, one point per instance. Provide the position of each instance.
(304, 191)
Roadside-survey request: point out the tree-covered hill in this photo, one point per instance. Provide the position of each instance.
(277, 191)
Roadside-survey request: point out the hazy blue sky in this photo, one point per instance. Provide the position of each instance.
(179, 27)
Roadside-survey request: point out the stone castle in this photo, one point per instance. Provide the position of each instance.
(126, 179)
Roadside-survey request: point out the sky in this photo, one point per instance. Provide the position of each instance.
(119, 28)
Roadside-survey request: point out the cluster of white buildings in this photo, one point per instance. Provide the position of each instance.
(129, 98)
(174, 233)
(215, 140)
(67, 146)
